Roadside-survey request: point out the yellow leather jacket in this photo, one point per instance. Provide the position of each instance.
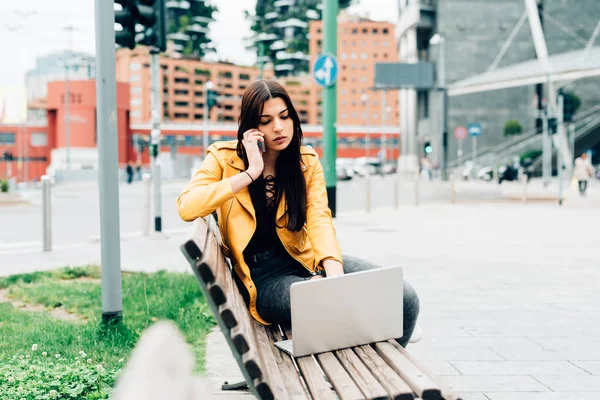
(210, 190)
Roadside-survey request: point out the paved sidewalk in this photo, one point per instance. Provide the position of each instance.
(510, 306)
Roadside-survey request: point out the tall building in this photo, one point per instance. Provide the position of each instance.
(280, 33)
(187, 27)
(474, 34)
(182, 87)
(50, 68)
(361, 44)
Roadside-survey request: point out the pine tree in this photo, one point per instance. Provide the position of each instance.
(187, 26)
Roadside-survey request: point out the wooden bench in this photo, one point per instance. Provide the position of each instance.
(381, 370)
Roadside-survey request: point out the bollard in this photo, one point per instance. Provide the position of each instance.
(147, 211)
(417, 179)
(452, 192)
(46, 213)
(524, 179)
(397, 190)
(368, 189)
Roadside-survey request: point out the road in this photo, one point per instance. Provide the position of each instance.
(76, 216)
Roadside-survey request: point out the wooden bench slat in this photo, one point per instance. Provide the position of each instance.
(291, 378)
(343, 384)
(361, 375)
(313, 376)
(396, 388)
(420, 383)
(272, 371)
(447, 394)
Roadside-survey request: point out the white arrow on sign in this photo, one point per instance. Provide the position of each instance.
(325, 72)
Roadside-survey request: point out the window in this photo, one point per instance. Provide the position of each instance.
(182, 92)
(375, 31)
(354, 104)
(136, 113)
(182, 80)
(199, 105)
(385, 31)
(365, 31)
(354, 56)
(363, 79)
(134, 78)
(198, 116)
(354, 31)
(364, 43)
(245, 77)
(198, 94)
(228, 107)
(135, 90)
(39, 139)
(200, 71)
(363, 56)
(199, 82)
(344, 56)
(384, 55)
(344, 102)
(181, 115)
(353, 67)
(181, 104)
(225, 74)
(385, 43)
(364, 67)
(135, 67)
(136, 102)
(344, 116)
(243, 87)
(7, 138)
(344, 91)
(228, 118)
(228, 85)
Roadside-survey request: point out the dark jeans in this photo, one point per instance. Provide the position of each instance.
(273, 273)
(582, 186)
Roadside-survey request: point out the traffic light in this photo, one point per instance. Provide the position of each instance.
(142, 22)
(427, 147)
(8, 156)
(568, 107)
(211, 98)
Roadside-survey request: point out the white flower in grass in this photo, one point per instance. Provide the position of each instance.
(52, 393)
(34, 347)
(77, 362)
(100, 368)
(82, 354)
(21, 357)
(57, 355)
(44, 353)
(89, 360)
(27, 356)
(11, 379)
(120, 360)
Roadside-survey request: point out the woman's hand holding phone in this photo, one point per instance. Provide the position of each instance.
(252, 138)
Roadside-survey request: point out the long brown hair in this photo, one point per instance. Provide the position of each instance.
(288, 170)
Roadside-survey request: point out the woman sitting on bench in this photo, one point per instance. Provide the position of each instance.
(271, 202)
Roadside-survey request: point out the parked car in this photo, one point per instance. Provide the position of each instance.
(344, 168)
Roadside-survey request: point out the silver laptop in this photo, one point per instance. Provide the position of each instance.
(344, 311)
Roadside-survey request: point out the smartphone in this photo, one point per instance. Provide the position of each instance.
(261, 146)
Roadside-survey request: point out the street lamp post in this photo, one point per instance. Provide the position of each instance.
(69, 29)
(364, 98)
(437, 39)
(208, 85)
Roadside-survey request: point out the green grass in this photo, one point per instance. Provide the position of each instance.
(146, 298)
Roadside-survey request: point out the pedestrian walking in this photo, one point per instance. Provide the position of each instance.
(583, 171)
(271, 201)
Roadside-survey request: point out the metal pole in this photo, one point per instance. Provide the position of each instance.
(155, 137)
(524, 180)
(108, 171)
(572, 144)
(67, 102)
(46, 213)
(147, 213)
(547, 151)
(205, 111)
(26, 143)
(474, 143)
(383, 136)
(560, 160)
(330, 13)
(368, 154)
(452, 190)
(444, 93)
(417, 179)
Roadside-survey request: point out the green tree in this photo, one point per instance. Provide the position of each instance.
(192, 20)
(512, 127)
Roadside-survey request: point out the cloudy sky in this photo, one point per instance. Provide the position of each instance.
(30, 28)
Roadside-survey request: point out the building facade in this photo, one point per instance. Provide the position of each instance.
(474, 34)
(361, 44)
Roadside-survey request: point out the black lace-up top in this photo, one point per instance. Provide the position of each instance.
(263, 192)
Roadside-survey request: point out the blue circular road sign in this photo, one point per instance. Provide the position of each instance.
(325, 70)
